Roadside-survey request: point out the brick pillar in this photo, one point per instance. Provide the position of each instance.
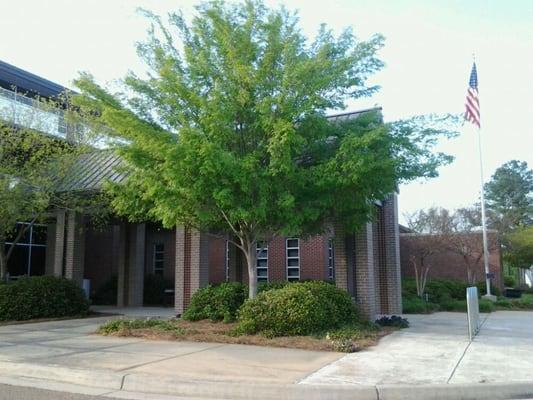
(341, 257)
(135, 265)
(377, 247)
(392, 255)
(364, 272)
(119, 255)
(75, 251)
(59, 243)
(192, 265)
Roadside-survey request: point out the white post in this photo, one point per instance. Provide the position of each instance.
(483, 219)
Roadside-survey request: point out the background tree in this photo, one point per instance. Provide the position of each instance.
(33, 167)
(228, 133)
(519, 252)
(509, 195)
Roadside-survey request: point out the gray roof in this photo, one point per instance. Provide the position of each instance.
(92, 169)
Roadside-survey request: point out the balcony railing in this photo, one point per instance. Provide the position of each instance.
(29, 113)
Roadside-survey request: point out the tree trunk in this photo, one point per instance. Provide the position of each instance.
(250, 253)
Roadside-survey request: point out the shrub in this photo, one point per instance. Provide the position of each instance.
(415, 305)
(393, 320)
(154, 289)
(509, 281)
(217, 302)
(297, 309)
(41, 297)
(486, 306)
(345, 339)
(106, 293)
(265, 287)
(453, 305)
(481, 287)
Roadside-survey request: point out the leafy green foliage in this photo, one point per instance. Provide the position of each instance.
(229, 131)
(154, 289)
(216, 302)
(345, 339)
(509, 195)
(123, 327)
(297, 309)
(509, 281)
(41, 297)
(519, 247)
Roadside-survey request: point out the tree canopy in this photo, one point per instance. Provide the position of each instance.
(228, 132)
(509, 195)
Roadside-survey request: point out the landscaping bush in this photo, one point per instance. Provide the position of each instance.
(217, 302)
(106, 294)
(486, 306)
(154, 289)
(509, 281)
(297, 309)
(481, 287)
(393, 320)
(415, 305)
(41, 297)
(265, 287)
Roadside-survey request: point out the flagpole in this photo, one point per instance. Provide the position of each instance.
(483, 217)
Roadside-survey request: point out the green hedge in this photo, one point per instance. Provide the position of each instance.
(297, 309)
(41, 297)
(216, 302)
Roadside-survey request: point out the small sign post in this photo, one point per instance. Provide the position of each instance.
(472, 305)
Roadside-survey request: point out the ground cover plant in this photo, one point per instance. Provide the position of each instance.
(308, 315)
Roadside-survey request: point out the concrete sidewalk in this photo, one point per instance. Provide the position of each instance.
(430, 360)
(435, 350)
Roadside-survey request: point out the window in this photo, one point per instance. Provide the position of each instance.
(293, 259)
(262, 262)
(331, 261)
(29, 254)
(159, 258)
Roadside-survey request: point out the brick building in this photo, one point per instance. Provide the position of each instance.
(366, 264)
(448, 264)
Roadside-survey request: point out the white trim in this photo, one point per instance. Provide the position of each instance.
(287, 258)
(155, 259)
(261, 247)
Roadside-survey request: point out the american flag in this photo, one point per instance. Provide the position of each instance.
(472, 99)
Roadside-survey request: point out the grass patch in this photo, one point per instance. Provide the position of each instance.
(349, 338)
(523, 303)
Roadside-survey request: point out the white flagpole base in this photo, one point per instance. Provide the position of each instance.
(489, 297)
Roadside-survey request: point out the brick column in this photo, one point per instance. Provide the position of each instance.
(392, 255)
(75, 251)
(364, 272)
(119, 255)
(59, 243)
(341, 257)
(192, 265)
(135, 275)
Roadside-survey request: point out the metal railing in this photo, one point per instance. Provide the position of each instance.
(33, 114)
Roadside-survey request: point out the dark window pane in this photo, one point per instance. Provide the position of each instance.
(38, 260)
(39, 234)
(292, 279)
(159, 247)
(262, 253)
(293, 272)
(293, 262)
(18, 262)
(262, 263)
(13, 234)
(262, 272)
(292, 242)
(293, 253)
(262, 279)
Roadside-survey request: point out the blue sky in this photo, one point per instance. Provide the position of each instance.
(428, 55)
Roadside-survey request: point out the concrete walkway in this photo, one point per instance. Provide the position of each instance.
(431, 360)
(436, 350)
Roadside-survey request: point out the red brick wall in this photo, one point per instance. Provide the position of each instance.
(217, 260)
(99, 263)
(449, 265)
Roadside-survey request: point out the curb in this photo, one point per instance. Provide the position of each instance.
(146, 383)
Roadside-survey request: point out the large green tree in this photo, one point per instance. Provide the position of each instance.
(228, 131)
(509, 195)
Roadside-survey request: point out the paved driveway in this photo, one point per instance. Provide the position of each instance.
(435, 349)
(72, 345)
